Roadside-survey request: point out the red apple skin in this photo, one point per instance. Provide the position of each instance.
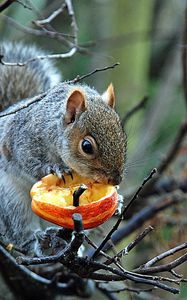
(93, 214)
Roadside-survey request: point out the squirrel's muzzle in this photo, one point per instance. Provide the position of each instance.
(115, 180)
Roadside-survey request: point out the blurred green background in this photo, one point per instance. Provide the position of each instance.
(145, 36)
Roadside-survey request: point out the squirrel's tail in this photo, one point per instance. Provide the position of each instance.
(20, 82)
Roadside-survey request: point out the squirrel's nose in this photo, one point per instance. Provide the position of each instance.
(115, 180)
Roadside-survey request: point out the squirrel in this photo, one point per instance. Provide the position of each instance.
(70, 127)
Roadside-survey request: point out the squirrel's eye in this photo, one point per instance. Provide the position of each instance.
(87, 147)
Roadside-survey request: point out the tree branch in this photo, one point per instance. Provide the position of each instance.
(51, 17)
(39, 57)
(6, 4)
(163, 268)
(133, 110)
(165, 254)
(174, 147)
(28, 102)
(146, 214)
(115, 227)
(79, 78)
(169, 158)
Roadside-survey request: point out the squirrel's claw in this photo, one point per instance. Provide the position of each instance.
(58, 170)
(69, 172)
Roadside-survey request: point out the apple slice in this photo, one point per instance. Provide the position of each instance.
(52, 200)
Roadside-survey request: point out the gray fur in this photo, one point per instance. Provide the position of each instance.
(18, 83)
(38, 137)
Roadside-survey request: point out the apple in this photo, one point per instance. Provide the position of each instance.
(52, 200)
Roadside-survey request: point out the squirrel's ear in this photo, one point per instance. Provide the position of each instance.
(76, 103)
(108, 96)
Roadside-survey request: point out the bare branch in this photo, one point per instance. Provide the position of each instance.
(129, 247)
(92, 266)
(165, 254)
(169, 158)
(10, 266)
(133, 110)
(6, 4)
(176, 274)
(73, 20)
(45, 33)
(22, 105)
(115, 227)
(51, 34)
(39, 57)
(79, 78)
(174, 147)
(147, 213)
(37, 98)
(139, 275)
(163, 268)
(23, 4)
(95, 247)
(61, 37)
(51, 17)
(134, 243)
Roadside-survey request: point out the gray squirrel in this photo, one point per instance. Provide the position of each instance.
(70, 127)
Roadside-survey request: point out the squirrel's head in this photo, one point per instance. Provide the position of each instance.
(94, 142)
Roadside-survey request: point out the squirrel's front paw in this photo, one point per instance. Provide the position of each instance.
(58, 170)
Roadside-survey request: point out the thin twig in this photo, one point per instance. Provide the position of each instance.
(139, 278)
(133, 110)
(81, 264)
(165, 254)
(163, 202)
(163, 268)
(8, 262)
(6, 4)
(134, 243)
(176, 274)
(23, 4)
(78, 77)
(24, 105)
(144, 215)
(73, 20)
(51, 16)
(149, 275)
(174, 147)
(39, 57)
(61, 37)
(140, 237)
(40, 97)
(169, 158)
(90, 242)
(130, 246)
(115, 227)
(47, 27)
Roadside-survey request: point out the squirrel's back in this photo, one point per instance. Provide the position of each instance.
(20, 82)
